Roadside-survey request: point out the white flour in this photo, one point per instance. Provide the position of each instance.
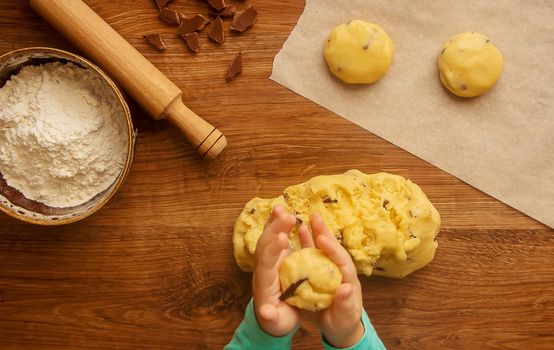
(62, 134)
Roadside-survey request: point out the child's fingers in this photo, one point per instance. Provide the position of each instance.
(269, 313)
(280, 221)
(328, 243)
(266, 273)
(344, 304)
(319, 228)
(306, 239)
(339, 256)
(268, 255)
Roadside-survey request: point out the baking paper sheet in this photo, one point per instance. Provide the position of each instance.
(502, 143)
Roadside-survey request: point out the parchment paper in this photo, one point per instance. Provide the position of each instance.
(502, 143)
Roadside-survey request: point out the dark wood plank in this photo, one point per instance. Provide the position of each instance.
(155, 270)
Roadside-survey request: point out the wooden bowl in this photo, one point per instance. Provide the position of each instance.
(12, 202)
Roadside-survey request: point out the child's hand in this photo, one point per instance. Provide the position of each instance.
(341, 324)
(274, 316)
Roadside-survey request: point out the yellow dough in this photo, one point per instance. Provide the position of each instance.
(469, 64)
(358, 52)
(310, 278)
(384, 221)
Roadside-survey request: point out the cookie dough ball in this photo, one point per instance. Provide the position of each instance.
(309, 279)
(469, 64)
(359, 52)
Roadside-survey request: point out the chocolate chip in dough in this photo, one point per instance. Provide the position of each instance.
(217, 33)
(170, 16)
(328, 200)
(292, 289)
(193, 41)
(217, 4)
(156, 41)
(235, 68)
(162, 3)
(244, 19)
(191, 24)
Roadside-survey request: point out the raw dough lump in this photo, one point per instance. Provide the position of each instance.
(310, 278)
(358, 52)
(469, 64)
(384, 221)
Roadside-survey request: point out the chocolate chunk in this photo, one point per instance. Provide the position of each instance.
(253, 210)
(299, 221)
(217, 33)
(328, 200)
(193, 41)
(235, 68)
(170, 16)
(191, 24)
(385, 203)
(244, 19)
(156, 41)
(162, 3)
(291, 289)
(217, 4)
(339, 235)
(228, 11)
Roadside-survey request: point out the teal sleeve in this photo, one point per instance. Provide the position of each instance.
(249, 335)
(370, 340)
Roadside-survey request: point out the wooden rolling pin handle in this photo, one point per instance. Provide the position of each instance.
(158, 95)
(206, 139)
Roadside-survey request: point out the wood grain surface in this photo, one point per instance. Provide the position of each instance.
(154, 269)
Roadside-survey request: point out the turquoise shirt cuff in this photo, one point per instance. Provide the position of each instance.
(370, 340)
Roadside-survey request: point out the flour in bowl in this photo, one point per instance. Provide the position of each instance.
(63, 137)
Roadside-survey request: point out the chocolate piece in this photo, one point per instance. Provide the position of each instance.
(244, 19)
(299, 221)
(328, 200)
(228, 11)
(156, 41)
(162, 3)
(170, 16)
(292, 289)
(235, 68)
(385, 203)
(217, 33)
(217, 4)
(193, 41)
(191, 24)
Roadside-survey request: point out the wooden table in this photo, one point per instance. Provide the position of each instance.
(155, 270)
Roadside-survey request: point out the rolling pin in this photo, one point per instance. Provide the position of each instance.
(158, 95)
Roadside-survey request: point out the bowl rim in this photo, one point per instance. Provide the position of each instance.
(130, 144)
